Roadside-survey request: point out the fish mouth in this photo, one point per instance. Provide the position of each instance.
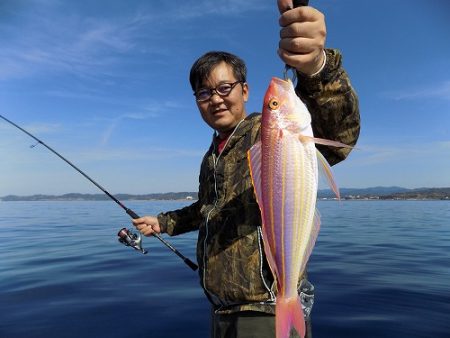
(281, 82)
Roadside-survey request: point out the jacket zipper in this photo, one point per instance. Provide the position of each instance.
(215, 160)
(269, 289)
(213, 296)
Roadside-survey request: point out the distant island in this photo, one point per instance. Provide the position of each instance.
(375, 193)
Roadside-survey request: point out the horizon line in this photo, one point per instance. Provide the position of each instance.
(195, 192)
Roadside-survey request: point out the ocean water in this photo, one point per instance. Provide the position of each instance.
(380, 268)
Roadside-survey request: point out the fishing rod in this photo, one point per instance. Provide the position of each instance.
(299, 3)
(126, 236)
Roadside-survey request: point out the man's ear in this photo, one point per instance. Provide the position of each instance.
(245, 91)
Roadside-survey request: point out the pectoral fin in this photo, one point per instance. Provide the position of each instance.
(323, 141)
(325, 170)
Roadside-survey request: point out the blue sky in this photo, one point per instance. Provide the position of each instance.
(105, 83)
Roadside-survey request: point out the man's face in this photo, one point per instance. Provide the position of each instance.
(223, 113)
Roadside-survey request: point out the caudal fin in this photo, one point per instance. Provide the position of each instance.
(288, 314)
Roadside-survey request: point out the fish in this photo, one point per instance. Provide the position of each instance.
(284, 166)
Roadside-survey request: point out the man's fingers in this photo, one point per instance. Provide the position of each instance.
(300, 14)
(298, 60)
(145, 229)
(304, 29)
(299, 45)
(139, 220)
(148, 231)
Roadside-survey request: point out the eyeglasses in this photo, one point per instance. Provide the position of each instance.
(224, 89)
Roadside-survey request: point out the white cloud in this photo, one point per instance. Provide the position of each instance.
(56, 43)
(134, 154)
(149, 111)
(43, 128)
(105, 34)
(367, 155)
(33, 128)
(115, 122)
(193, 9)
(42, 39)
(438, 91)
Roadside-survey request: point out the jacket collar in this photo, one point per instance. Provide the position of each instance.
(241, 129)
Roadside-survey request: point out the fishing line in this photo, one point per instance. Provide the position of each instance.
(126, 237)
(287, 68)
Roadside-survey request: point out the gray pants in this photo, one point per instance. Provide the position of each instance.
(248, 324)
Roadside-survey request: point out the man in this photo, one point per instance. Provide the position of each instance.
(232, 266)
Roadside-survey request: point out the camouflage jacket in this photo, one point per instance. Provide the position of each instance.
(233, 269)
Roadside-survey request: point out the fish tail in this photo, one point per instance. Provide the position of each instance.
(288, 314)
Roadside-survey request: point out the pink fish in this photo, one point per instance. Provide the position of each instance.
(284, 167)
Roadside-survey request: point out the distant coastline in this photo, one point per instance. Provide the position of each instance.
(374, 193)
(102, 197)
(389, 194)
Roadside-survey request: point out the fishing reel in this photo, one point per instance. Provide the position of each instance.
(129, 238)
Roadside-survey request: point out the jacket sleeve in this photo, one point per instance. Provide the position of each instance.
(333, 105)
(182, 220)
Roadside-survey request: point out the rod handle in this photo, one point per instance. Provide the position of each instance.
(299, 3)
(132, 214)
(191, 264)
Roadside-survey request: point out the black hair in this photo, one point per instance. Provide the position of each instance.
(203, 66)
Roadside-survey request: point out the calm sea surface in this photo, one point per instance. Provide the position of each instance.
(381, 269)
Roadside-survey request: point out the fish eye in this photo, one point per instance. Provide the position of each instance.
(274, 104)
